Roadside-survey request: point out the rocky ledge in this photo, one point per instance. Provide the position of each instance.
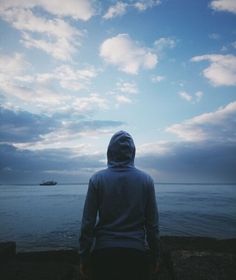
(183, 258)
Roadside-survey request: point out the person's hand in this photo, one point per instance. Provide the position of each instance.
(83, 271)
(156, 268)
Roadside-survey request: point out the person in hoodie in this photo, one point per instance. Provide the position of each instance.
(120, 218)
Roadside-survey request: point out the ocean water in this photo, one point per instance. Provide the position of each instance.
(49, 217)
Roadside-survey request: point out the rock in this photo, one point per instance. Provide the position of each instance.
(7, 251)
(183, 258)
(203, 265)
(68, 256)
(38, 271)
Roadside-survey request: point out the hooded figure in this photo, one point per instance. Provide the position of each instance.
(120, 218)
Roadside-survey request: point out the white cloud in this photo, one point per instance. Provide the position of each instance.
(69, 77)
(122, 99)
(126, 87)
(186, 96)
(214, 126)
(224, 5)
(118, 9)
(77, 9)
(164, 43)
(74, 79)
(47, 91)
(92, 102)
(195, 98)
(222, 69)
(234, 44)
(157, 148)
(214, 36)
(127, 55)
(145, 4)
(199, 95)
(12, 65)
(54, 36)
(157, 79)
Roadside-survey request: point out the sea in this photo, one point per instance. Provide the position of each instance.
(49, 217)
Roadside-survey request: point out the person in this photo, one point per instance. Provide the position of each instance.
(114, 245)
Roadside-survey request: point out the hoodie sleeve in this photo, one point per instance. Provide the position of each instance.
(152, 223)
(88, 223)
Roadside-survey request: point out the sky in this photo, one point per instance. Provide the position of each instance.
(72, 73)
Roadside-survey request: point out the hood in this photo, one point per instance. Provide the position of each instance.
(121, 150)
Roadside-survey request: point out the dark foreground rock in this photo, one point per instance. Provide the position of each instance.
(183, 258)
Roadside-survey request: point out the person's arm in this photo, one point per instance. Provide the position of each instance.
(88, 223)
(152, 224)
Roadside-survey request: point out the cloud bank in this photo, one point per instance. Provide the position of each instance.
(206, 151)
(127, 55)
(121, 8)
(224, 5)
(54, 35)
(222, 69)
(218, 126)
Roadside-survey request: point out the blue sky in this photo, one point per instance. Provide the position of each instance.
(74, 72)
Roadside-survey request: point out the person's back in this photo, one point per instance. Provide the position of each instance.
(124, 199)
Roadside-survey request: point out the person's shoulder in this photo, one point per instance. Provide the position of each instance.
(97, 175)
(144, 175)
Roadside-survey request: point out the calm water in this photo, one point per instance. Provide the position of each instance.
(40, 217)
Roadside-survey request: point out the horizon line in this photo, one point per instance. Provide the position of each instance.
(156, 183)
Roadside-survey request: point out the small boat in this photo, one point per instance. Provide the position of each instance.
(48, 183)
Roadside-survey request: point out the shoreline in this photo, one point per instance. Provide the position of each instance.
(182, 258)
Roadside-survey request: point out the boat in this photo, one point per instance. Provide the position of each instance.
(48, 183)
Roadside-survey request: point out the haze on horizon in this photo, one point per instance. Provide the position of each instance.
(73, 73)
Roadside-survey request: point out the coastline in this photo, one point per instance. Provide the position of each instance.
(183, 258)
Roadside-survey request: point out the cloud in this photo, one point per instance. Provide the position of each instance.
(214, 36)
(73, 134)
(122, 99)
(21, 126)
(218, 126)
(77, 9)
(118, 9)
(222, 69)
(38, 90)
(90, 103)
(18, 87)
(64, 165)
(191, 98)
(184, 95)
(127, 87)
(233, 44)
(206, 152)
(190, 162)
(74, 79)
(34, 146)
(54, 36)
(157, 79)
(68, 77)
(13, 65)
(145, 4)
(164, 43)
(224, 5)
(126, 54)
(124, 93)
(33, 131)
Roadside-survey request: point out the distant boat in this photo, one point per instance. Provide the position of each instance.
(48, 183)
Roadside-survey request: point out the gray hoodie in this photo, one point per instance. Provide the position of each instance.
(124, 199)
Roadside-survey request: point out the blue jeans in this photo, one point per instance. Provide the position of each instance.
(119, 264)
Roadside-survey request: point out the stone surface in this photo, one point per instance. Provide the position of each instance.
(7, 251)
(183, 258)
(202, 265)
(38, 271)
